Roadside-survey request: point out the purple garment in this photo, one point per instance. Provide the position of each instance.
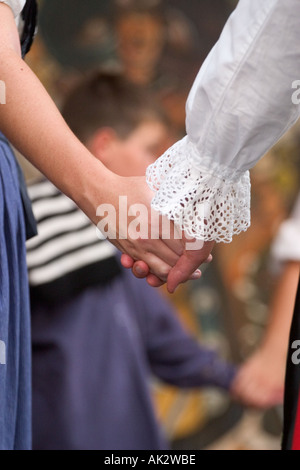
(92, 360)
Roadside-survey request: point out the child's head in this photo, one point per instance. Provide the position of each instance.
(119, 123)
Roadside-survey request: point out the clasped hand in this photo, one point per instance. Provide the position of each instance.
(163, 256)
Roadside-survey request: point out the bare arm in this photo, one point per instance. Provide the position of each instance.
(282, 307)
(33, 124)
(35, 127)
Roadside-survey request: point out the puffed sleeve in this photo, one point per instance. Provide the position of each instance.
(239, 107)
(16, 6)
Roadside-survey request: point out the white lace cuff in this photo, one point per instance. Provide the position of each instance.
(207, 200)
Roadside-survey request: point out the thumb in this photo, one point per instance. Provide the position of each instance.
(183, 270)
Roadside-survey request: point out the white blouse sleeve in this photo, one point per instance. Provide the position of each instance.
(16, 6)
(286, 246)
(239, 107)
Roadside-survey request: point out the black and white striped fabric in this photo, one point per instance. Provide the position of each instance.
(67, 255)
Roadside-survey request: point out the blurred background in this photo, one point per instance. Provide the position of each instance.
(228, 307)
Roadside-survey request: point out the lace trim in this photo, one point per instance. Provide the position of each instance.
(208, 203)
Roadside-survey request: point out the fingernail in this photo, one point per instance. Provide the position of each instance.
(196, 275)
(139, 271)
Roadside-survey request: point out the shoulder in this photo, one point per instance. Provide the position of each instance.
(16, 5)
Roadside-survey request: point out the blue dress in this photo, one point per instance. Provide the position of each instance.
(15, 359)
(16, 224)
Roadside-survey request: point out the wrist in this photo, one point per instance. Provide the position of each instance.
(93, 186)
(271, 351)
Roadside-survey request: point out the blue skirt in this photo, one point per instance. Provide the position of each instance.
(15, 341)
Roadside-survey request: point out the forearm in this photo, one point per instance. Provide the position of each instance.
(275, 340)
(179, 360)
(35, 127)
(202, 369)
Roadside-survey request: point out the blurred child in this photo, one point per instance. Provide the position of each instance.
(99, 333)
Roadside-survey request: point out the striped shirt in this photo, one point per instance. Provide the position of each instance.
(69, 254)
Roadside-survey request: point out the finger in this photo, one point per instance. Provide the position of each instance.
(126, 261)
(157, 257)
(170, 234)
(176, 246)
(154, 281)
(196, 275)
(157, 267)
(196, 253)
(160, 249)
(140, 269)
(182, 271)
